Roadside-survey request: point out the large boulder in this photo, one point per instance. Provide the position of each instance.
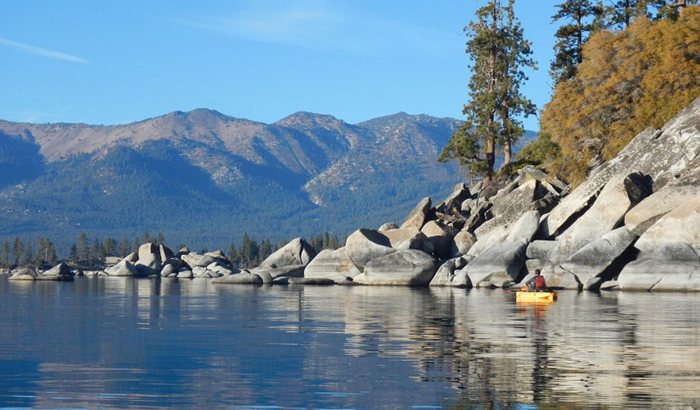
(606, 214)
(487, 240)
(479, 212)
(669, 250)
(499, 266)
(269, 274)
(194, 259)
(296, 252)
(507, 209)
(202, 272)
(408, 238)
(363, 245)
(243, 278)
(441, 238)
(462, 242)
(419, 215)
(387, 226)
(453, 203)
(219, 256)
(449, 274)
(407, 267)
(149, 259)
(663, 201)
(549, 182)
(167, 270)
(680, 139)
(221, 270)
(60, 270)
(123, 268)
(332, 264)
(680, 226)
(540, 249)
(165, 252)
(675, 268)
(22, 274)
(591, 264)
(525, 228)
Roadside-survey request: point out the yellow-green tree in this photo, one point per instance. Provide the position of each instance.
(628, 80)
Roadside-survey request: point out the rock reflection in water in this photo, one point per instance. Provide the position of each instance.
(168, 343)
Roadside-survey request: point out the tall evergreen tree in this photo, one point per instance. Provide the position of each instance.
(5, 254)
(498, 53)
(517, 54)
(82, 249)
(571, 35)
(97, 253)
(264, 250)
(44, 253)
(109, 247)
(17, 250)
(124, 248)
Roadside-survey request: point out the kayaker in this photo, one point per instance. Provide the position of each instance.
(537, 283)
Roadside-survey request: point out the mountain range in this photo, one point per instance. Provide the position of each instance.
(204, 178)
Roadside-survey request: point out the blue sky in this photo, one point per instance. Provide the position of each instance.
(111, 62)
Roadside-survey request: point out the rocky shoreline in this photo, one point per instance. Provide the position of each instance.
(634, 224)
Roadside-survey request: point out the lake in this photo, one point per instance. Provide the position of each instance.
(151, 343)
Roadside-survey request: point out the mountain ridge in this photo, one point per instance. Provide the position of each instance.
(203, 177)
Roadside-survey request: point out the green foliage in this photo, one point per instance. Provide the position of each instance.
(579, 17)
(498, 54)
(628, 80)
(538, 151)
(5, 254)
(45, 253)
(464, 146)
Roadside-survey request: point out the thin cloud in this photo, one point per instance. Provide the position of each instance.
(42, 52)
(323, 26)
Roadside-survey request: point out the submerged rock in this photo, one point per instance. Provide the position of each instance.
(243, 278)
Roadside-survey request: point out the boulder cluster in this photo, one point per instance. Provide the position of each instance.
(634, 224)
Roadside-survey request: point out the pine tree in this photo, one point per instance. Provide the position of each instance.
(592, 117)
(124, 248)
(17, 249)
(5, 254)
(513, 104)
(109, 247)
(82, 250)
(333, 242)
(97, 254)
(265, 249)
(568, 49)
(498, 52)
(44, 253)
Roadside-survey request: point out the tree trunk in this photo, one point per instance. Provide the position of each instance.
(507, 152)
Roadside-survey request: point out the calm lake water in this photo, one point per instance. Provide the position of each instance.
(162, 343)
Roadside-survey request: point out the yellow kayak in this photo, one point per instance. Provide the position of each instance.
(535, 297)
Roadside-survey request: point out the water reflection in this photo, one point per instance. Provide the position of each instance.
(168, 343)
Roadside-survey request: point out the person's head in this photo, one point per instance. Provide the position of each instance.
(537, 272)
